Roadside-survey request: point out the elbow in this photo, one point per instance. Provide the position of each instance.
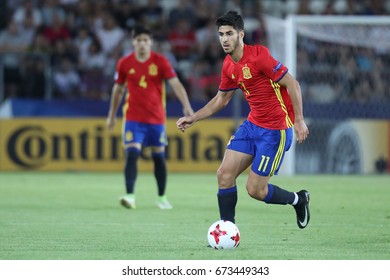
(224, 104)
(225, 101)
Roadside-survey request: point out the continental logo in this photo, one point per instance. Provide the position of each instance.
(195, 147)
(36, 146)
(33, 146)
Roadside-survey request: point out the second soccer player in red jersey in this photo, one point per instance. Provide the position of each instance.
(144, 73)
(275, 102)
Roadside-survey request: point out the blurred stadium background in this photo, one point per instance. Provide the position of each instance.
(57, 59)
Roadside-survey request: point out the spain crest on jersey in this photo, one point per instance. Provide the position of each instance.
(246, 71)
(153, 69)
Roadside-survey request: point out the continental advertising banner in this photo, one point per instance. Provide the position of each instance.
(61, 144)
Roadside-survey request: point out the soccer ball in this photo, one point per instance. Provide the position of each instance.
(223, 235)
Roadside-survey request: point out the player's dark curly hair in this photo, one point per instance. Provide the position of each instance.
(139, 29)
(231, 18)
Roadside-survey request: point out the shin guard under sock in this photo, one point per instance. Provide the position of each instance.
(131, 170)
(227, 200)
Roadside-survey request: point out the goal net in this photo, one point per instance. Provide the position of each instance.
(341, 63)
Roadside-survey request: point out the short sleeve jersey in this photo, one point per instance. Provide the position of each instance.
(257, 74)
(145, 82)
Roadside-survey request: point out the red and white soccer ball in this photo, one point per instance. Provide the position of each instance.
(223, 235)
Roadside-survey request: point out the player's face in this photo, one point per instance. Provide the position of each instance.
(229, 38)
(142, 44)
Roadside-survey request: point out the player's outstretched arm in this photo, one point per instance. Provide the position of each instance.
(216, 104)
(181, 94)
(116, 97)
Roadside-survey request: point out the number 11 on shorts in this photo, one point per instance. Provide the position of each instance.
(263, 164)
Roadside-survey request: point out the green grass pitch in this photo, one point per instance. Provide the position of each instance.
(76, 216)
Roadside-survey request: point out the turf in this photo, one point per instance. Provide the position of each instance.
(76, 216)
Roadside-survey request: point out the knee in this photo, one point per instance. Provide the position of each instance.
(225, 178)
(132, 153)
(258, 192)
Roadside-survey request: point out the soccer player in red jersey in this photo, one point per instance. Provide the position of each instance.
(275, 102)
(144, 73)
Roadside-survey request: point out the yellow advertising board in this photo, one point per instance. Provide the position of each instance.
(83, 144)
(61, 144)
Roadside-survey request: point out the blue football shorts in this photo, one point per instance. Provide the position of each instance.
(145, 134)
(265, 145)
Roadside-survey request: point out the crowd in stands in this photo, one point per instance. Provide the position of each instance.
(75, 44)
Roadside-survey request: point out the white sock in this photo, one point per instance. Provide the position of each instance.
(296, 199)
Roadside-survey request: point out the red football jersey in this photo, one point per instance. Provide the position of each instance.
(145, 81)
(257, 75)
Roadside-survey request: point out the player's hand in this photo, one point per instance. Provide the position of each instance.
(301, 131)
(185, 122)
(110, 123)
